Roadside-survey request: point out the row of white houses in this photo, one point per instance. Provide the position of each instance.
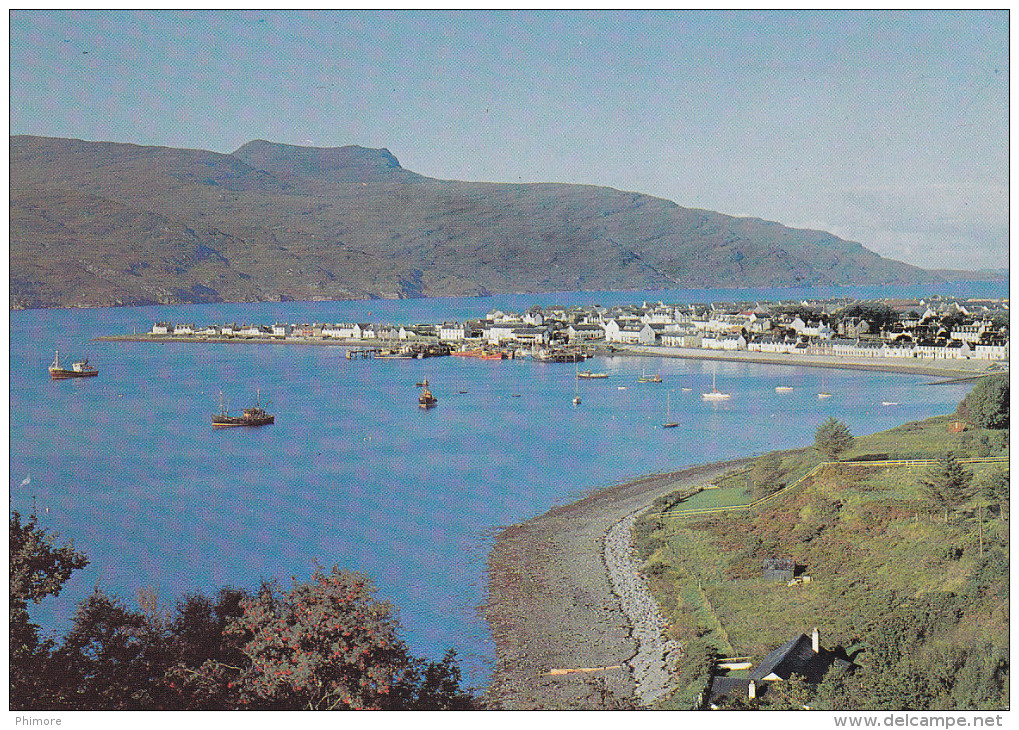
(627, 332)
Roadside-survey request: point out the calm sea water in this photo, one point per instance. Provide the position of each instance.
(353, 472)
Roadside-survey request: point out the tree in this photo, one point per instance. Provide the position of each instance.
(946, 484)
(994, 488)
(880, 315)
(433, 686)
(766, 474)
(38, 569)
(794, 694)
(113, 658)
(987, 404)
(832, 438)
(323, 645)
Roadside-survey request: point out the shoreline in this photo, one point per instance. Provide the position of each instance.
(559, 598)
(958, 369)
(963, 369)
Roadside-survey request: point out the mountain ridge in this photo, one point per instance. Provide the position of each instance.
(103, 224)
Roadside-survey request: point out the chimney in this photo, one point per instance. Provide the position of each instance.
(816, 641)
(752, 690)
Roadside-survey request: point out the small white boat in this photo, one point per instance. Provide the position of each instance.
(714, 394)
(889, 403)
(823, 393)
(783, 389)
(621, 387)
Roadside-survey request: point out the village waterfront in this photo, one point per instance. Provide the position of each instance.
(352, 472)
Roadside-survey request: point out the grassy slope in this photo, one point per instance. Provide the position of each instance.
(858, 530)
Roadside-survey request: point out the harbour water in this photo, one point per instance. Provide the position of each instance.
(353, 472)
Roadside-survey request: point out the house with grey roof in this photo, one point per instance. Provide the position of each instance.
(802, 655)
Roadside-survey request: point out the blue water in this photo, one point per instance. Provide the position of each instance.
(353, 473)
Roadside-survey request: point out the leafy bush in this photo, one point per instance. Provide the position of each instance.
(832, 438)
(328, 643)
(987, 404)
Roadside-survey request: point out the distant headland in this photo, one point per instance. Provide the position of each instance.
(96, 224)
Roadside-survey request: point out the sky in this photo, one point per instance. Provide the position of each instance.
(885, 128)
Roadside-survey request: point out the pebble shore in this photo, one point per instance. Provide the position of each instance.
(656, 656)
(573, 624)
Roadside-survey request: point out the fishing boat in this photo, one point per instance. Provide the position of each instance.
(714, 394)
(254, 416)
(79, 369)
(645, 378)
(426, 399)
(588, 374)
(669, 423)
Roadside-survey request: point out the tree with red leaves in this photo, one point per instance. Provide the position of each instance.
(326, 644)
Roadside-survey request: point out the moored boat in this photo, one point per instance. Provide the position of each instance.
(669, 423)
(590, 374)
(253, 416)
(714, 394)
(79, 369)
(426, 399)
(645, 378)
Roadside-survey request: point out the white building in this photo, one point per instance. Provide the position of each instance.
(585, 332)
(631, 334)
(451, 332)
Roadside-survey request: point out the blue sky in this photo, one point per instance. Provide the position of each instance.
(886, 128)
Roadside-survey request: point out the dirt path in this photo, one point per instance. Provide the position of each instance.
(551, 604)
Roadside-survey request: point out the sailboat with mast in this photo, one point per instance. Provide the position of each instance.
(822, 394)
(715, 394)
(669, 423)
(645, 378)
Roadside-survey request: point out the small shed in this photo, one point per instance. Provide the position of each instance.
(779, 569)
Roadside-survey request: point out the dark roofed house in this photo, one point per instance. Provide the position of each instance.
(801, 655)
